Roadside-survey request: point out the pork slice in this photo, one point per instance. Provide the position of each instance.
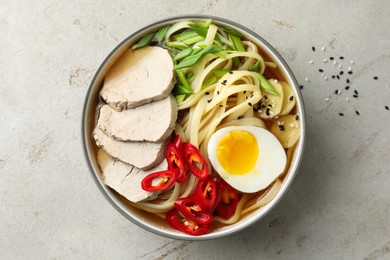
(151, 122)
(139, 77)
(143, 155)
(126, 179)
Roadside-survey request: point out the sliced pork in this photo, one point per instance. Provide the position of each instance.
(139, 77)
(143, 155)
(151, 122)
(126, 179)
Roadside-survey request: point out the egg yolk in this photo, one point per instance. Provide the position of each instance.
(237, 152)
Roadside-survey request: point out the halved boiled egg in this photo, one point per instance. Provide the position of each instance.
(249, 158)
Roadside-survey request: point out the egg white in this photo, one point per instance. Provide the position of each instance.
(269, 165)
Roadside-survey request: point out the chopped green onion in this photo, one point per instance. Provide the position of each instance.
(180, 98)
(193, 40)
(183, 54)
(255, 67)
(180, 90)
(219, 55)
(236, 62)
(185, 35)
(177, 45)
(184, 81)
(232, 31)
(189, 75)
(209, 81)
(237, 44)
(193, 59)
(145, 41)
(207, 22)
(201, 30)
(266, 85)
(220, 73)
(162, 32)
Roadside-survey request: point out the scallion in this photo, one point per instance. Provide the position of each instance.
(145, 41)
(266, 85)
(220, 73)
(237, 44)
(161, 33)
(194, 58)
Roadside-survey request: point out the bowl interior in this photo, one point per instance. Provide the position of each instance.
(152, 222)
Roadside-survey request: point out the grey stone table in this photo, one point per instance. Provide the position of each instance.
(338, 206)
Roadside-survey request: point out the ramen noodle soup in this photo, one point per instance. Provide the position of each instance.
(224, 126)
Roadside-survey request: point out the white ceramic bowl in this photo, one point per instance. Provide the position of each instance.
(149, 221)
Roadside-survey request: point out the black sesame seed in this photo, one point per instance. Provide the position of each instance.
(341, 57)
(387, 108)
(341, 114)
(357, 113)
(267, 112)
(333, 76)
(296, 117)
(217, 92)
(263, 106)
(350, 72)
(348, 81)
(347, 87)
(321, 70)
(240, 117)
(337, 91)
(230, 72)
(223, 83)
(355, 96)
(281, 127)
(313, 48)
(331, 58)
(291, 98)
(220, 105)
(251, 96)
(207, 93)
(341, 72)
(356, 92)
(249, 104)
(208, 101)
(301, 87)
(244, 91)
(265, 97)
(338, 77)
(375, 78)
(269, 105)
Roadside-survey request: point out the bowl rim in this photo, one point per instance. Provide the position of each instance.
(295, 163)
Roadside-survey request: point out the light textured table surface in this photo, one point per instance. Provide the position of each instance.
(338, 206)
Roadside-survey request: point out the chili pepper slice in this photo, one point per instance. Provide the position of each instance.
(228, 202)
(193, 210)
(159, 180)
(176, 162)
(178, 143)
(195, 161)
(181, 223)
(207, 193)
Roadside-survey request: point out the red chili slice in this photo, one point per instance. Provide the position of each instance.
(228, 202)
(183, 224)
(178, 143)
(193, 210)
(159, 180)
(207, 193)
(195, 161)
(175, 162)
